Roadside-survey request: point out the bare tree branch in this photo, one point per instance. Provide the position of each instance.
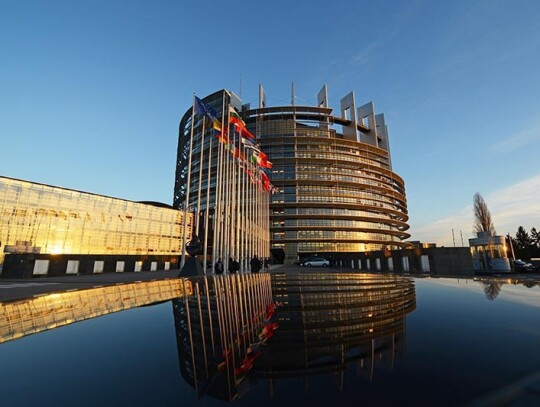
(482, 216)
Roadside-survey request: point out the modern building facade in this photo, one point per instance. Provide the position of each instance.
(218, 181)
(336, 190)
(489, 252)
(41, 223)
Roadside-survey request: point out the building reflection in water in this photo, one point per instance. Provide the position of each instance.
(323, 322)
(221, 329)
(493, 286)
(33, 315)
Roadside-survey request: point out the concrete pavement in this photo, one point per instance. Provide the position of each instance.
(18, 289)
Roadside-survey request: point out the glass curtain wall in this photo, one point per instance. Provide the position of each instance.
(335, 194)
(37, 218)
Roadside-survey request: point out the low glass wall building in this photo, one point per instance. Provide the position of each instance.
(38, 221)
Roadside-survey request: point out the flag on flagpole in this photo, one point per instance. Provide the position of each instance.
(239, 124)
(262, 159)
(204, 110)
(244, 132)
(250, 144)
(222, 137)
(267, 186)
(235, 117)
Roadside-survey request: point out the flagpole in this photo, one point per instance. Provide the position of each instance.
(253, 215)
(267, 222)
(269, 198)
(207, 211)
(200, 178)
(234, 212)
(186, 204)
(237, 196)
(232, 226)
(224, 210)
(221, 190)
(261, 199)
(224, 131)
(217, 208)
(257, 217)
(243, 207)
(216, 249)
(250, 213)
(246, 213)
(226, 240)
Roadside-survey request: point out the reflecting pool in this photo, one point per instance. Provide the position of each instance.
(280, 339)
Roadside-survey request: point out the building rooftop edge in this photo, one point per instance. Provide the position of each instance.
(150, 203)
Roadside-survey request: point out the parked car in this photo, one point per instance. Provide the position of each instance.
(522, 266)
(315, 262)
(303, 260)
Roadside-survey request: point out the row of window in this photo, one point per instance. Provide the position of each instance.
(40, 218)
(331, 212)
(330, 223)
(331, 235)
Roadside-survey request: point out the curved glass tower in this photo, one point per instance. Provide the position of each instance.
(218, 182)
(337, 191)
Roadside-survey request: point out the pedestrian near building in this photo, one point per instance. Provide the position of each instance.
(234, 266)
(255, 264)
(218, 266)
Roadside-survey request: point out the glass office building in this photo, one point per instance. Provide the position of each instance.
(40, 219)
(336, 191)
(225, 190)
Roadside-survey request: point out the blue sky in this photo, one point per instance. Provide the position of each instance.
(91, 92)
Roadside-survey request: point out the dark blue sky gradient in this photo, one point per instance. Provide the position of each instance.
(91, 92)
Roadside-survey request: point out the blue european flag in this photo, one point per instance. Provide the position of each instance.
(203, 109)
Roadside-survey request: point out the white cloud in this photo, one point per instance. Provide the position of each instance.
(510, 207)
(518, 140)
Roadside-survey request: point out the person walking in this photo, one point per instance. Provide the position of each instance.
(255, 264)
(218, 267)
(234, 266)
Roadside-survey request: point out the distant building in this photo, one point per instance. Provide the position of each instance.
(48, 230)
(423, 259)
(489, 252)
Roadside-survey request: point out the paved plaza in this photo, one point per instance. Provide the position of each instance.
(17, 289)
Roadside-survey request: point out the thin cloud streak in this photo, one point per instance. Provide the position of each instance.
(510, 207)
(517, 141)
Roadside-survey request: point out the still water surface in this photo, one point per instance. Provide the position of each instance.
(337, 339)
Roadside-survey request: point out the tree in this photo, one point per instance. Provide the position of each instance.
(535, 236)
(492, 290)
(524, 244)
(482, 216)
(523, 240)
